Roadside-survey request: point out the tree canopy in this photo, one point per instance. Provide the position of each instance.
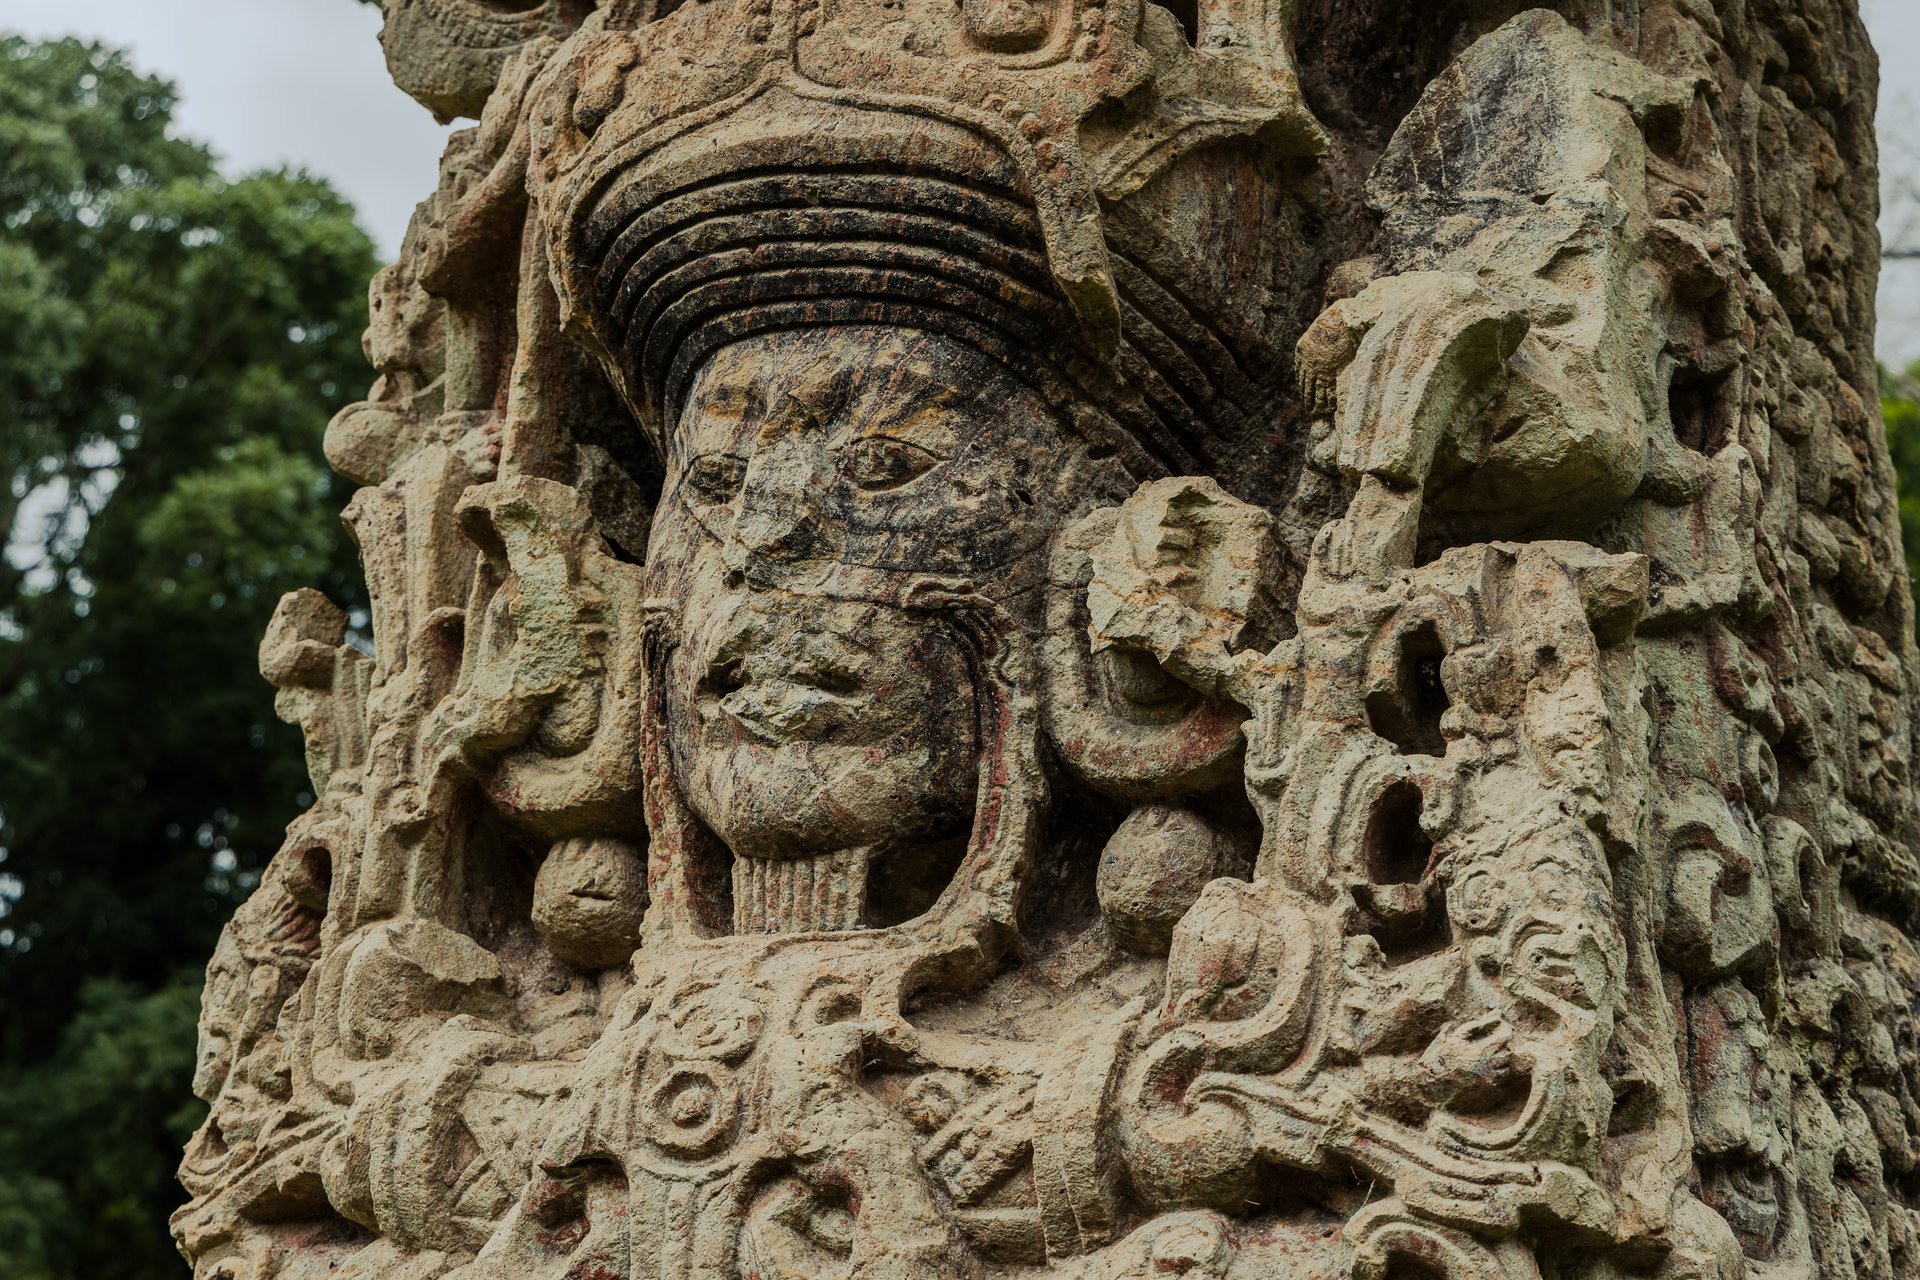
(171, 344)
(1900, 404)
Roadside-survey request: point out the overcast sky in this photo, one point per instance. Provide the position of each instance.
(301, 82)
(271, 82)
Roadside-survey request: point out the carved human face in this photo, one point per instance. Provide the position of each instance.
(1539, 913)
(815, 478)
(1719, 911)
(222, 1008)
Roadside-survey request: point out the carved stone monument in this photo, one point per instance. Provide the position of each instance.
(1254, 640)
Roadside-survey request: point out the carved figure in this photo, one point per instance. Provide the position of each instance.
(1092, 639)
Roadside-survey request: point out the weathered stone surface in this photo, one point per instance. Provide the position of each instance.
(1070, 638)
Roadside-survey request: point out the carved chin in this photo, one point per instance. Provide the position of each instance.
(773, 800)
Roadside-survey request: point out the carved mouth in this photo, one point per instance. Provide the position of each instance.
(780, 700)
(782, 677)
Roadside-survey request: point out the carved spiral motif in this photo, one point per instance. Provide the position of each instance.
(712, 1025)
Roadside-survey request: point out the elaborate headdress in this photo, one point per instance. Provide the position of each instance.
(983, 171)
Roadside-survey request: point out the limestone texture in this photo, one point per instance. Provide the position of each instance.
(1255, 640)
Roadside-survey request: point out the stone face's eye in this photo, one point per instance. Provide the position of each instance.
(1141, 680)
(887, 462)
(716, 477)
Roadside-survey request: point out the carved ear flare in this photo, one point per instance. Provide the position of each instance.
(1118, 719)
(1154, 868)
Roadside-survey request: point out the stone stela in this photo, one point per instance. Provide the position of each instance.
(1256, 640)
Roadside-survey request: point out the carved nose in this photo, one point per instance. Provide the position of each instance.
(779, 689)
(780, 517)
(784, 533)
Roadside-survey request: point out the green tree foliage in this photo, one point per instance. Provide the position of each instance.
(78, 1130)
(1900, 405)
(170, 347)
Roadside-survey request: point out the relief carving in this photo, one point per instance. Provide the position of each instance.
(1074, 639)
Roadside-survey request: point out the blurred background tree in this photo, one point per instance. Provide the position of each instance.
(1900, 405)
(171, 344)
(1900, 389)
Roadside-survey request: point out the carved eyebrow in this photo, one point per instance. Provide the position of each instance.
(1699, 832)
(911, 417)
(727, 395)
(735, 405)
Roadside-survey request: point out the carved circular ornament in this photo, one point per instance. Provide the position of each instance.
(691, 1110)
